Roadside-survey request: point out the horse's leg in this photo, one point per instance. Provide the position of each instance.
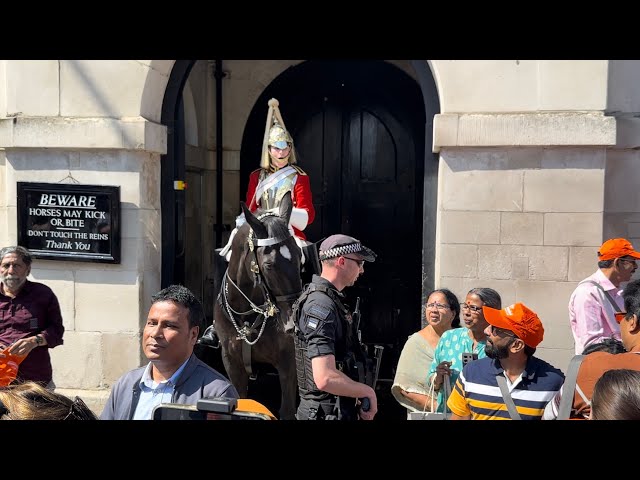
(231, 350)
(235, 368)
(288, 379)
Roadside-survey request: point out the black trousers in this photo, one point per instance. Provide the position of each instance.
(327, 410)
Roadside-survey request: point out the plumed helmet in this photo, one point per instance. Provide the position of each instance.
(278, 136)
(275, 134)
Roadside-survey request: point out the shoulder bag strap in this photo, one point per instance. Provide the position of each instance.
(569, 387)
(584, 397)
(502, 383)
(616, 308)
(446, 385)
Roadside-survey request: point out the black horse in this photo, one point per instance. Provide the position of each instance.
(254, 304)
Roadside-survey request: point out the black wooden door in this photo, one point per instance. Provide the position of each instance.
(361, 163)
(359, 131)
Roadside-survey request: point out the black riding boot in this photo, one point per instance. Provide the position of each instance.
(209, 338)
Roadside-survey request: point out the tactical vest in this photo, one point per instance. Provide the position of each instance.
(348, 358)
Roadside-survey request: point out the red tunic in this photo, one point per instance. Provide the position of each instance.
(301, 196)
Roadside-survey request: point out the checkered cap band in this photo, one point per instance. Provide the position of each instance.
(341, 250)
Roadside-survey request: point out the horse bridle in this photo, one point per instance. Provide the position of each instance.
(268, 309)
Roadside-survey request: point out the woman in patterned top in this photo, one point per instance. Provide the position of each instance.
(447, 360)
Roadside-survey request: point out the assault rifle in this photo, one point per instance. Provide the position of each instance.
(367, 372)
(364, 402)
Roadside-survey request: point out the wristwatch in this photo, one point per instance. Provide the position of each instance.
(39, 340)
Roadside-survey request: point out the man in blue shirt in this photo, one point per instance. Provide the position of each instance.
(174, 374)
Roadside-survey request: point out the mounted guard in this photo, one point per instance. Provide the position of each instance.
(278, 174)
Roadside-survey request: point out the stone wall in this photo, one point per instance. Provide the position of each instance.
(537, 166)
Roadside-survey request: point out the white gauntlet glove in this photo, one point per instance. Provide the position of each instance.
(299, 218)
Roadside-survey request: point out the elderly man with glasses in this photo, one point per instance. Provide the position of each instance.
(597, 298)
(510, 382)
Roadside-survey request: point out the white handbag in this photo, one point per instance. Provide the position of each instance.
(424, 415)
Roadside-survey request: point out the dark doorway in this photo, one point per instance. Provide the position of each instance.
(173, 168)
(359, 128)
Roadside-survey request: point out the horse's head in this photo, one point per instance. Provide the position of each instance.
(272, 256)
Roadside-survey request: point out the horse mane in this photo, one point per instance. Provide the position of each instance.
(275, 225)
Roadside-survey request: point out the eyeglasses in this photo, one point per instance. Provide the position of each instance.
(473, 308)
(439, 306)
(77, 411)
(495, 331)
(359, 262)
(620, 316)
(80, 411)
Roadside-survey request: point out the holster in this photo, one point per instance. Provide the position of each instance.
(323, 410)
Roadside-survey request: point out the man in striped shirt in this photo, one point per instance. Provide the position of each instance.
(512, 337)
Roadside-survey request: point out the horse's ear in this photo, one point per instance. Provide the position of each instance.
(286, 205)
(245, 210)
(254, 223)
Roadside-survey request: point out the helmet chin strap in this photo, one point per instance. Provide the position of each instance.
(274, 159)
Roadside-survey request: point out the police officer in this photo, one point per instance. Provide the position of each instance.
(326, 345)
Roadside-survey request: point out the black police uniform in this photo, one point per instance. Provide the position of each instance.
(324, 327)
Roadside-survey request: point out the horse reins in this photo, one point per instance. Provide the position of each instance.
(268, 308)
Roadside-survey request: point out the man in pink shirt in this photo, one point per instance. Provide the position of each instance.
(596, 299)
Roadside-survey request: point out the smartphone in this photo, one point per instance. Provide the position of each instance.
(468, 357)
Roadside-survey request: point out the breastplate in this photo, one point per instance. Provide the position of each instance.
(273, 195)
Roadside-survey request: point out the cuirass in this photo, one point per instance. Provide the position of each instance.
(273, 195)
